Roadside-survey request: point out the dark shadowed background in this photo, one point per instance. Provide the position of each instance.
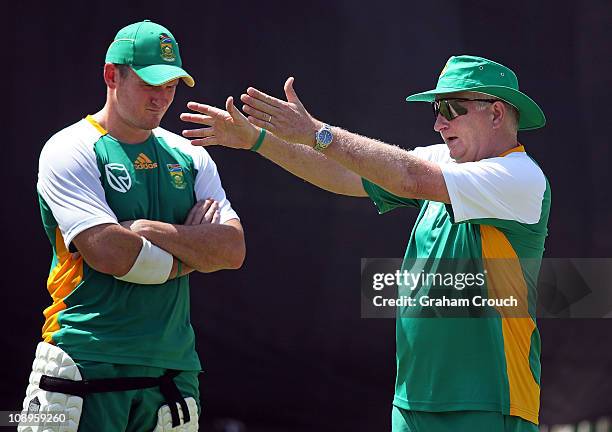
(281, 340)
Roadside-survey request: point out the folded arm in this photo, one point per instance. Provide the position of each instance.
(205, 248)
(113, 250)
(202, 244)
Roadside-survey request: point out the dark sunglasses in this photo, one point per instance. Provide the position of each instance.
(451, 109)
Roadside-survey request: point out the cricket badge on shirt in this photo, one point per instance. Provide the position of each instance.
(165, 46)
(177, 175)
(118, 177)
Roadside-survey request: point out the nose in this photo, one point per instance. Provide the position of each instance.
(440, 124)
(161, 97)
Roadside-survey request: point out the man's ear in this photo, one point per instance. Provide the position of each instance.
(499, 113)
(111, 75)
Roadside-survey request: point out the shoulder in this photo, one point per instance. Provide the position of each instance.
(79, 133)
(73, 143)
(520, 166)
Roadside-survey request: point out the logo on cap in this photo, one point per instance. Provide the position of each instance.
(165, 47)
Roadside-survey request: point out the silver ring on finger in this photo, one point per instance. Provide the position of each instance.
(269, 118)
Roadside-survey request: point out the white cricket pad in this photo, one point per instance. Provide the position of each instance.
(164, 418)
(52, 361)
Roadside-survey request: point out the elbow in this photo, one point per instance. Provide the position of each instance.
(238, 260)
(407, 188)
(236, 257)
(230, 257)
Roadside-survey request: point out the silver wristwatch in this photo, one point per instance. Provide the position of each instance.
(323, 137)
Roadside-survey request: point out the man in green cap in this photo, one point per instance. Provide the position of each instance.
(481, 199)
(130, 210)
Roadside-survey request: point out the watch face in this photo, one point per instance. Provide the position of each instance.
(325, 137)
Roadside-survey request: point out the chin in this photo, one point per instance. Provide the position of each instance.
(461, 158)
(150, 125)
(455, 156)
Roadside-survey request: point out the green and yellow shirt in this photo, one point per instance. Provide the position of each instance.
(87, 178)
(498, 214)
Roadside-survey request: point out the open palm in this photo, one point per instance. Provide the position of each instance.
(225, 128)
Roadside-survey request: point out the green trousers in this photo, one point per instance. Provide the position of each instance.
(457, 421)
(134, 410)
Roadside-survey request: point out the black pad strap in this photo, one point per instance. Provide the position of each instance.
(82, 388)
(173, 396)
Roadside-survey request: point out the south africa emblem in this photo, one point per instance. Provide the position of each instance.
(176, 174)
(166, 49)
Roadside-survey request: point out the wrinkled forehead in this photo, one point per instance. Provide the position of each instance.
(465, 94)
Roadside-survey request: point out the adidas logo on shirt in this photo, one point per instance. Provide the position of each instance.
(143, 162)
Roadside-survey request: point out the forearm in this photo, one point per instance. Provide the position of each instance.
(112, 249)
(109, 248)
(312, 166)
(204, 248)
(388, 166)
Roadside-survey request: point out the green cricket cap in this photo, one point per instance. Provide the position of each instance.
(151, 51)
(478, 74)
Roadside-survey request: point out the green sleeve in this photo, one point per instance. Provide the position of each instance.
(386, 201)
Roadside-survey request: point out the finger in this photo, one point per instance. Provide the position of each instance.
(205, 109)
(202, 208)
(204, 142)
(198, 118)
(196, 213)
(208, 217)
(290, 92)
(198, 133)
(253, 92)
(258, 104)
(216, 217)
(233, 111)
(267, 118)
(261, 124)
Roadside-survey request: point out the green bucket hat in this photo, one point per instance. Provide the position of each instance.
(151, 51)
(477, 74)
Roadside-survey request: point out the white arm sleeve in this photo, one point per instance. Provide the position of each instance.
(509, 188)
(208, 185)
(69, 182)
(433, 153)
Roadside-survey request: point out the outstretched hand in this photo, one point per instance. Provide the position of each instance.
(226, 128)
(288, 120)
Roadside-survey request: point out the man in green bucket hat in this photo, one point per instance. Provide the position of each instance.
(130, 210)
(481, 200)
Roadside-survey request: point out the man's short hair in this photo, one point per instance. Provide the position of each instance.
(516, 115)
(513, 112)
(123, 69)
